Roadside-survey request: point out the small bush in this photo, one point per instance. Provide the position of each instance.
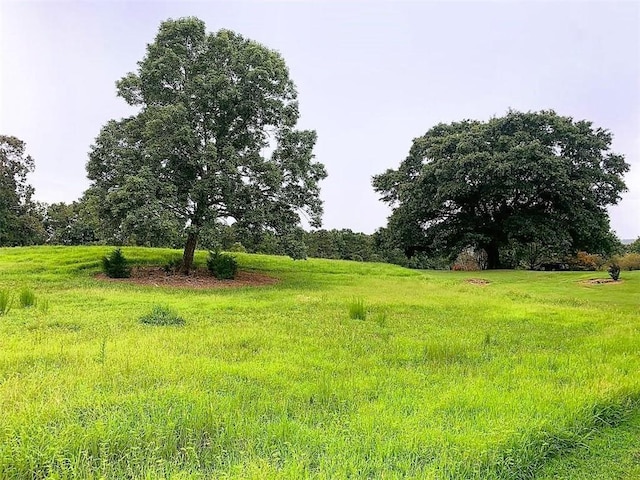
(162, 316)
(238, 247)
(357, 310)
(26, 298)
(115, 265)
(630, 261)
(614, 271)
(221, 265)
(467, 261)
(5, 302)
(586, 262)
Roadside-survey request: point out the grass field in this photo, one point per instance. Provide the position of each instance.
(517, 378)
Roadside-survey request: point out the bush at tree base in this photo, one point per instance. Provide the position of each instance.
(222, 265)
(115, 265)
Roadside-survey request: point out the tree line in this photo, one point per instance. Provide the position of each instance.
(213, 158)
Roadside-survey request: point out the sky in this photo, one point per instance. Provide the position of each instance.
(371, 77)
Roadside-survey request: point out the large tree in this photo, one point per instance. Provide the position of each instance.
(214, 140)
(20, 222)
(525, 178)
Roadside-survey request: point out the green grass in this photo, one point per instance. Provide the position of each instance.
(612, 455)
(162, 316)
(357, 309)
(444, 379)
(27, 298)
(5, 302)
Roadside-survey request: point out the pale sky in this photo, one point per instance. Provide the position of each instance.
(371, 76)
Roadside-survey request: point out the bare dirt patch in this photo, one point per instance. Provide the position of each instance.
(199, 278)
(599, 281)
(477, 281)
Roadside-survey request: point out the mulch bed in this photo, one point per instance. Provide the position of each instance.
(477, 281)
(199, 278)
(598, 281)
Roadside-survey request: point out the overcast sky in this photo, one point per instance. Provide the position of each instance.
(371, 76)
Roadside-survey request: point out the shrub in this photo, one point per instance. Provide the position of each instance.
(614, 271)
(586, 261)
(468, 260)
(162, 316)
(221, 265)
(26, 298)
(115, 265)
(5, 302)
(238, 247)
(357, 309)
(630, 261)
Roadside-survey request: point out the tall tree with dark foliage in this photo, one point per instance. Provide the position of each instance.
(525, 178)
(214, 139)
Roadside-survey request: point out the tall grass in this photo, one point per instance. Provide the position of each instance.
(5, 302)
(450, 380)
(26, 298)
(357, 309)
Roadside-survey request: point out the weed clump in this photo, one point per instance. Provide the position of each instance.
(115, 265)
(162, 316)
(357, 309)
(5, 302)
(26, 298)
(222, 265)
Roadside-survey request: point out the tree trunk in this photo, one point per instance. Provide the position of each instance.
(493, 256)
(189, 251)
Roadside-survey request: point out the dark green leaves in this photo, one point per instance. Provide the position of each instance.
(212, 106)
(512, 179)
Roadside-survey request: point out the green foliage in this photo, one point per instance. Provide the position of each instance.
(614, 271)
(219, 100)
(160, 315)
(237, 247)
(27, 298)
(634, 247)
(20, 216)
(5, 302)
(222, 265)
(115, 265)
(340, 245)
(70, 224)
(630, 261)
(523, 178)
(357, 309)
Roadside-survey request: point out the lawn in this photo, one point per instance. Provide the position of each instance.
(443, 378)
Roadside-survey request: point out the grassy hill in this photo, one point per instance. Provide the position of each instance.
(444, 378)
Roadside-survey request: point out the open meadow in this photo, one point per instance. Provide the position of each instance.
(443, 378)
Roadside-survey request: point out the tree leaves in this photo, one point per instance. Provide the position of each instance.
(511, 179)
(212, 107)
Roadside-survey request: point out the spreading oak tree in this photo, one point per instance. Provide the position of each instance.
(214, 139)
(525, 179)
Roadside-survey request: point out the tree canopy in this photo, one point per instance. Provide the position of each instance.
(524, 179)
(19, 219)
(214, 140)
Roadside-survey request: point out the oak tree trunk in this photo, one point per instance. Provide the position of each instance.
(189, 251)
(493, 256)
